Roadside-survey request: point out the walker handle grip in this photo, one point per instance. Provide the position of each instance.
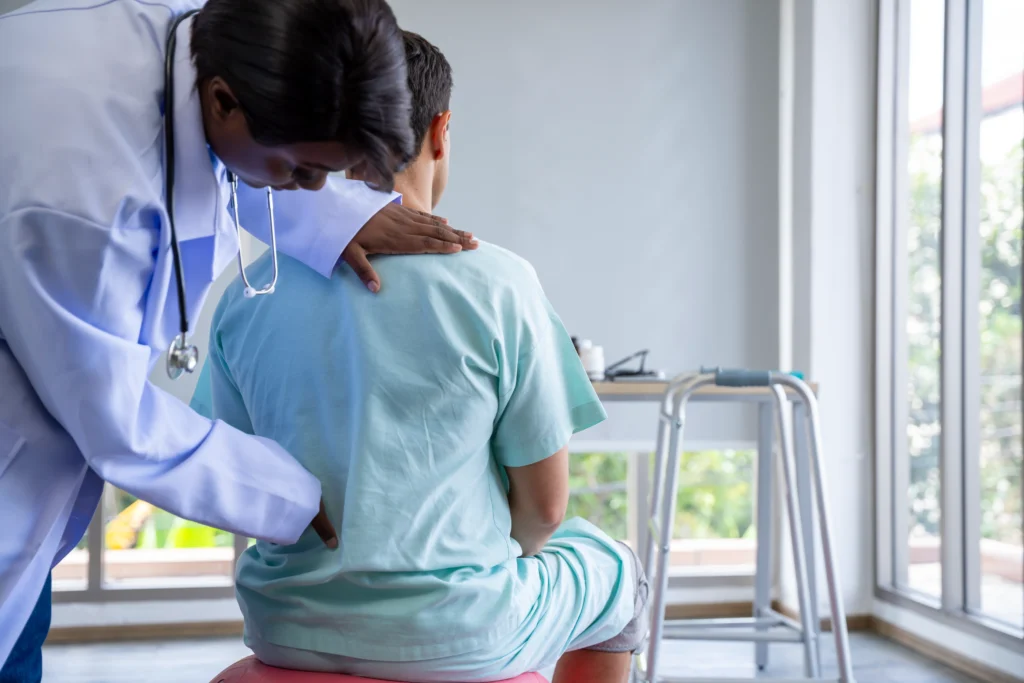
(742, 378)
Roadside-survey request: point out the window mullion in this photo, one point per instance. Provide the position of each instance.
(951, 457)
(900, 466)
(884, 389)
(971, 481)
(94, 542)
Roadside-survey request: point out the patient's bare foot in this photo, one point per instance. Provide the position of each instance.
(591, 666)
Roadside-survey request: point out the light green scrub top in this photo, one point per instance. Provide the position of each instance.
(406, 405)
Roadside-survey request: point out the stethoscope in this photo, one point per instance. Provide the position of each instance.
(183, 356)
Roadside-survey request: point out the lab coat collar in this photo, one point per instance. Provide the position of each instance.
(196, 183)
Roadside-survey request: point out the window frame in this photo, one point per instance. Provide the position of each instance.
(960, 492)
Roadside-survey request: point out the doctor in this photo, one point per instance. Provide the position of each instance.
(274, 92)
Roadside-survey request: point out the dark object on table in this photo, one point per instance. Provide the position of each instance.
(576, 344)
(617, 371)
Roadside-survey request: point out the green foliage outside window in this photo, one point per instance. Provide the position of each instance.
(716, 495)
(999, 317)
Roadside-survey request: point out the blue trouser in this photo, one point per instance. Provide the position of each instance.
(25, 664)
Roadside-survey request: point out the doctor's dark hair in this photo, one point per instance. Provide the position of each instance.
(313, 71)
(430, 83)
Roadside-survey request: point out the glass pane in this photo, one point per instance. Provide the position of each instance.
(598, 491)
(714, 524)
(1001, 140)
(924, 231)
(72, 574)
(146, 547)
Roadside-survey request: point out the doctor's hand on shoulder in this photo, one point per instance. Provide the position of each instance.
(397, 229)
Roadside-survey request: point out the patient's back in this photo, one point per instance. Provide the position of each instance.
(396, 402)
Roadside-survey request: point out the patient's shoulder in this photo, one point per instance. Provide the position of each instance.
(513, 288)
(489, 283)
(499, 265)
(507, 281)
(485, 271)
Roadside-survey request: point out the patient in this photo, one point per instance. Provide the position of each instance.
(437, 415)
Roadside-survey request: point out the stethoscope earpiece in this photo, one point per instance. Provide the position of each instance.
(251, 292)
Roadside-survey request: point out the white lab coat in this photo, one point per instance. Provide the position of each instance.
(87, 295)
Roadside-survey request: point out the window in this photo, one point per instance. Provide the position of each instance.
(146, 547)
(134, 551)
(714, 525)
(599, 492)
(146, 553)
(994, 360)
(949, 254)
(922, 323)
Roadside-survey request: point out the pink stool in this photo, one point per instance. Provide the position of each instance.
(252, 670)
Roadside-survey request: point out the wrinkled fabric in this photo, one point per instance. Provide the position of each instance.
(585, 600)
(408, 405)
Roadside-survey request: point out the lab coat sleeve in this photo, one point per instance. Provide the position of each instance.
(313, 227)
(72, 295)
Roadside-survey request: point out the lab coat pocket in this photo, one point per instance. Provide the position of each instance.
(10, 443)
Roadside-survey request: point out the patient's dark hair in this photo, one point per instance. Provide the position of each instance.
(313, 71)
(430, 83)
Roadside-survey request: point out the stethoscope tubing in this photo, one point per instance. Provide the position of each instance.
(182, 356)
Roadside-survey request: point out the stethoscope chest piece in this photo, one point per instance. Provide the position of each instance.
(181, 357)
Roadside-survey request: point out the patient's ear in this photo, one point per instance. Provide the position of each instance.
(439, 142)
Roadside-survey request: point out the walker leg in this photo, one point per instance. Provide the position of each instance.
(805, 493)
(651, 540)
(659, 581)
(763, 520)
(796, 527)
(660, 451)
(839, 630)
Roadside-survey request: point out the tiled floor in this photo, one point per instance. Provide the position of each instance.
(875, 661)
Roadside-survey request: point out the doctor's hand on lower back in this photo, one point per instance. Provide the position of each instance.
(324, 529)
(397, 229)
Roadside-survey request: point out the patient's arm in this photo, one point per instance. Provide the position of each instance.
(538, 495)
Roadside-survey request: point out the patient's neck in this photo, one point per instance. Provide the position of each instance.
(416, 184)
